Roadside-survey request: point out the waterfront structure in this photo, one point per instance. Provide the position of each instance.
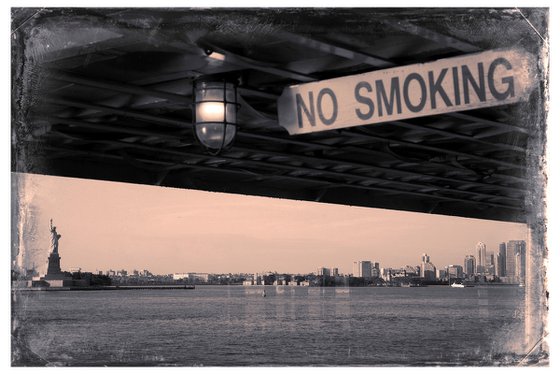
(180, 276)
(441, 274)
(375, 270)
(334, 272)
(515, 261)
(323, 272)
(520, 263)
(199, 277)
(145, 273)
(481, 258)
(455, 271)
(412, 271)
(404, 275)
(490, 264)
(362, 269)
(470, 265)
(427, 269)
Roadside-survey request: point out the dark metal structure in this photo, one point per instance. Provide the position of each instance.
(107, 93)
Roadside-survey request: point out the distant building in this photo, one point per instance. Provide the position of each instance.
(401, 275)
(375, 270)
(490, 263)
(334, 272)
(427, 269)
(441, 274)
(470, 265)
(455, 271)
(515, 260)
(501, 260)
(145, 273)
(481, 258)
(323, 272)
(199, 277)
(411, 271)
(180, 276)
(122, 273)
(362, 269)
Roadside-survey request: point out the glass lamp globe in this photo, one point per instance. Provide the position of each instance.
(215, 114)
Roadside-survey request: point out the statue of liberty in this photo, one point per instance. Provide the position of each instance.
(54, 239)
(53, 270)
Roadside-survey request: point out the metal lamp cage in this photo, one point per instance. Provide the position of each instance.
(214, 114)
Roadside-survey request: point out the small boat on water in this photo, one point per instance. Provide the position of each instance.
(457, 285)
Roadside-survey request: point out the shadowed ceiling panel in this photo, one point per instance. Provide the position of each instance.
(107, 94)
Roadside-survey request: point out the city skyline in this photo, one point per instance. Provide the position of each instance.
(123, 226)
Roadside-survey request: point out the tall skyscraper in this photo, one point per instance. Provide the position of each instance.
(515, 260)
(501, 260)
(480, 257)
(470, 265)
(362, 269)
(490, 263)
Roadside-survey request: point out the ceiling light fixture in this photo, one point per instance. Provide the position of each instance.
(215, 113)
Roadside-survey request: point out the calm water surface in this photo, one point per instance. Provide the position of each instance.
(235, 325)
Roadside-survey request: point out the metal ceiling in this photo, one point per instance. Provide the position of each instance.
(106, 94)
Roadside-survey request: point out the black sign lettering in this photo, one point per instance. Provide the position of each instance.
(510, 91)
(406, 88)
(310, 113)
(330, 93)
(456, 90)
(435, 87)
(389, 103)
(364, 100)
(479, 88)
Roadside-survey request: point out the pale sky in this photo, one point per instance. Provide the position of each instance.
(107, 225)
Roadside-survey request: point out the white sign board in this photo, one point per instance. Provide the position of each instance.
(490, 78)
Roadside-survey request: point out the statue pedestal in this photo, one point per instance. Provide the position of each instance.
(54, 265)
(55, 277)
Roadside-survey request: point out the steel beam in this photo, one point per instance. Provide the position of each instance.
(455, 135)
(354, 177)
(330, 48)
(312, 145)
(121, 87)
(433, 36)
(186, 100)
(176, 123)
(434, 149)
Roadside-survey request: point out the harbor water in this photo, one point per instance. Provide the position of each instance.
(237, 326)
